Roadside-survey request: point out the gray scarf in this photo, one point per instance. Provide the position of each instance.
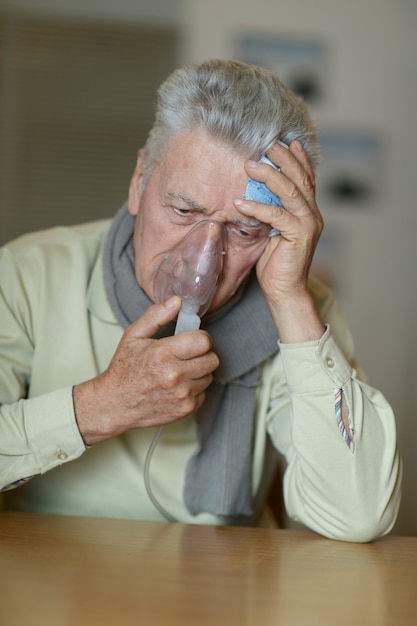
(218, 476)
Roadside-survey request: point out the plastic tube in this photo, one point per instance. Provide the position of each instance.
(187, 320)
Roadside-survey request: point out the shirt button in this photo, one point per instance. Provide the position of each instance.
(62, 456)
(330, 362)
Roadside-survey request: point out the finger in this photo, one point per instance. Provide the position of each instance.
(301, 154)
(297, 202)
(155, 318)
(270, 214)
(201, 384)
(276, 181)
(286, 156)
(293, 182)
(296, 167)
(194, 347)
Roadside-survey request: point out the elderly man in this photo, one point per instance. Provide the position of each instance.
(94, 383)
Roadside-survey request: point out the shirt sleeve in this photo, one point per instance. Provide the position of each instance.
(36, 435)
(338, 435)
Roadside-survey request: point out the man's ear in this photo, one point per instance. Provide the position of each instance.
(135, 187)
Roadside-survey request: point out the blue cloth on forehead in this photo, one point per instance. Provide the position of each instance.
(259, 192)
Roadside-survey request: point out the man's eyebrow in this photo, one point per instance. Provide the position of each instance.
(247, 221)
(190, 203)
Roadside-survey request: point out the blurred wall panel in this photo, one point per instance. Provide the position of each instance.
(76, 102)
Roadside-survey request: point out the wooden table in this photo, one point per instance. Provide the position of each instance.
(68, 571)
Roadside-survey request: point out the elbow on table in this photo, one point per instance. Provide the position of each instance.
(357, 525)
(365, 526)
(362, 516)
(377, 516)
(364, 533)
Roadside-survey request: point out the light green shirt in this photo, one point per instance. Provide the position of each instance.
(57, 329)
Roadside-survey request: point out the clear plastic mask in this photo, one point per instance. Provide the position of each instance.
(191, 270)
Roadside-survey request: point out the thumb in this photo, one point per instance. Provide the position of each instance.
(157, 316)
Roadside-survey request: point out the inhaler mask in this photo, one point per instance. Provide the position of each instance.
(191, 270)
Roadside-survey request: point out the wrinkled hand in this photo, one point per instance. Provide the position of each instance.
(149, 382)
(284, 266)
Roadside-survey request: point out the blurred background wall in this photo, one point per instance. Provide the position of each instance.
(77, 79)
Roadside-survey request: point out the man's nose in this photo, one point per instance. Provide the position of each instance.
(192, 268)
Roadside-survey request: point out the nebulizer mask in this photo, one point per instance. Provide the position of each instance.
(191, 270)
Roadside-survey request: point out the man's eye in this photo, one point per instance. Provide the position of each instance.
(245, 237)
(245, 233)
(241, 235)
(183, 216)
(182, 211)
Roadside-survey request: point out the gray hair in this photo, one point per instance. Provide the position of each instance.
(243, 105)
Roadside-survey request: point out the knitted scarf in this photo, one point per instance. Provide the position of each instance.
(218, 475)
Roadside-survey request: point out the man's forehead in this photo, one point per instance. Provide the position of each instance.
(209, 159)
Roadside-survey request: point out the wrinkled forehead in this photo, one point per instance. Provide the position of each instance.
(202, 169)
